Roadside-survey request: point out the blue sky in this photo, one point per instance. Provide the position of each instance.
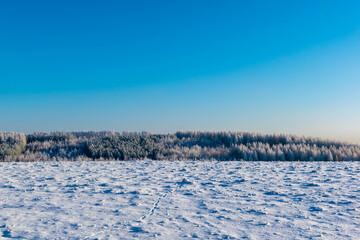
(162, 66)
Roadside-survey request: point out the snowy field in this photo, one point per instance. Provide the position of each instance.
(180, 200)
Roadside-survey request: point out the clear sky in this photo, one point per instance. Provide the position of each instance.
(161, 66)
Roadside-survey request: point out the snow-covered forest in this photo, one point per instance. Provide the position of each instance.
(106, 145)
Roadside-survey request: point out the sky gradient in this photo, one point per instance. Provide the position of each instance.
(162, 66)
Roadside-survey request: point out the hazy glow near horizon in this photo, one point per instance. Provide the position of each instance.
(270, 67)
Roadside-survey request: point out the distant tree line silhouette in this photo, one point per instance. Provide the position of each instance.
(190, 145)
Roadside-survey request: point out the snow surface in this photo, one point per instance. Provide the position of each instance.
(179, 200)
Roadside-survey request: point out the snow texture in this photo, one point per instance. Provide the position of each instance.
(180, 200)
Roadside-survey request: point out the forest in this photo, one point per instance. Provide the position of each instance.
(186, 145)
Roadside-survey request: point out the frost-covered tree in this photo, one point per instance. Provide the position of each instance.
(181, 145)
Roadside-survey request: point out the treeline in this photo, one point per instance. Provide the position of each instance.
(107, 145)
(11, 144)
(125, 147)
